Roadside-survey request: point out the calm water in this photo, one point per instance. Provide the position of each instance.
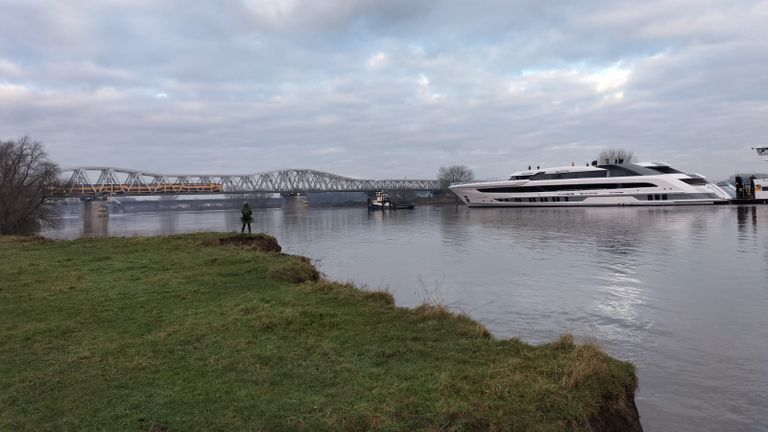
(681, 292)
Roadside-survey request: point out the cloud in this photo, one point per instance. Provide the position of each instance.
(377, 60)
(608, 79)
(250, 85)
(9, 69)
(299, 17)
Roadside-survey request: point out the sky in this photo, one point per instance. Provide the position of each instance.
(385, 89)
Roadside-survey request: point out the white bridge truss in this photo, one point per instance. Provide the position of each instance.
(112, 180)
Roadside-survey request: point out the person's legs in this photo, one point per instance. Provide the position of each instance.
(249, 227)
(242, 230)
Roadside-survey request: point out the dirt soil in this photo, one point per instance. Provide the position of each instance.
(256, 242)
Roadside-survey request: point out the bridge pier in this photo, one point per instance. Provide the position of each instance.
(294, 201)
(95, 217)
(94, 207)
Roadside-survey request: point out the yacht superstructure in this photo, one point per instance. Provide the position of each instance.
(644, 183)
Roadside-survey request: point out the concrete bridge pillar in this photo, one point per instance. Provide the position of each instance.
(95, 218)
(294, 201)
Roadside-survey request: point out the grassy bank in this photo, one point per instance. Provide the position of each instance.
(185, 334)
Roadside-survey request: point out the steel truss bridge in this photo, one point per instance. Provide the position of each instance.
(110, 180)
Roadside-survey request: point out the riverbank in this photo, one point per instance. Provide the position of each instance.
(184, 333)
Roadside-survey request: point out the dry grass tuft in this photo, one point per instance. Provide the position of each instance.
(438, 311)
(323, 285)
(382, 296)
(435, 310)
(481, 331)
(587, 362)
(295, 270)
(566, 341)
(350, 290)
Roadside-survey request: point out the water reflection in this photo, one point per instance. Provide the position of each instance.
(168, 222)
(746, 217)
(95, 226)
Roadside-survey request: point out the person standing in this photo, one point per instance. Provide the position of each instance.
(246, 218)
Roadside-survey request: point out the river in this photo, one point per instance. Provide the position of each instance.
(682, 292)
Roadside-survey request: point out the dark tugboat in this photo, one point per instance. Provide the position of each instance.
(382, 202)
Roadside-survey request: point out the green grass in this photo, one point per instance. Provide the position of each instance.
(181, 334)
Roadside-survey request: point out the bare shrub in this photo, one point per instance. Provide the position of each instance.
(616, 155)
(28, 182)
(454, 174)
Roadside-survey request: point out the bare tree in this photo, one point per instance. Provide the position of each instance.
(28, 180)
(616, 155)
(454, 174)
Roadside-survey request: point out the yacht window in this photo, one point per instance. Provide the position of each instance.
(521, 177)
(650, 197)
(664, 196)
(619, 171)
(697, 181)
(564, 187)
(656, 197)
(665, 169)
(569, 175)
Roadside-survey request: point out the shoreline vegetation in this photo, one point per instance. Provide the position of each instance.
(215, 331)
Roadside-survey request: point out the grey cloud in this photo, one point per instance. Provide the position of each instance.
(191, 86)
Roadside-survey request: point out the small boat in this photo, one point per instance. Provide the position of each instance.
(383, 202)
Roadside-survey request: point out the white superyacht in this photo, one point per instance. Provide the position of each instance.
(643, 183)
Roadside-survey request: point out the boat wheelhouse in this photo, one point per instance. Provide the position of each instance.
(645, 183)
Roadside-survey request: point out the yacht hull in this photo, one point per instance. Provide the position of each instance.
(600, 204)
(525, 190)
